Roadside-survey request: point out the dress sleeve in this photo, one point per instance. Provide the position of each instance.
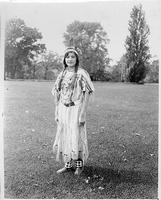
(55, 90)
(87, 85)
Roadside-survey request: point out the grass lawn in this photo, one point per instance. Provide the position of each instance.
(122, 126)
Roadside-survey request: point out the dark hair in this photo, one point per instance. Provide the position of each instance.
(65, 66)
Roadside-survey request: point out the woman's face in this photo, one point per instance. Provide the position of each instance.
(70, 59)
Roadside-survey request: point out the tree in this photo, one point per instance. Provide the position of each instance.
(121, 68)
(137, 49)
(21, 45)
(91, 40)
(50, 62)
(153, 72)
(116, 73)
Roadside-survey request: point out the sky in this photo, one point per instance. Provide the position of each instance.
(52, 19)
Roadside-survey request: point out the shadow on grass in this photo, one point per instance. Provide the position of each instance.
(123, 176)
(102, 183)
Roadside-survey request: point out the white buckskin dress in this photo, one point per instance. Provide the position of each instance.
(71, 139)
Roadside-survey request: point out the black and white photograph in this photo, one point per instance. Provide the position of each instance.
(80, 99)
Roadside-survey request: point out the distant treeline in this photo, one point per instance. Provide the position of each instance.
(27, 58)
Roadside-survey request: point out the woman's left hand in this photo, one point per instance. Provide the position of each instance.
(82, 119)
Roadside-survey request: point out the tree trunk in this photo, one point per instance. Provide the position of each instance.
(45, 75)
(34, 70)
(13, 72)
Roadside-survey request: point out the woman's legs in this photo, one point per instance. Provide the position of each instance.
(67, 167)
(79, 164)
(79, 167)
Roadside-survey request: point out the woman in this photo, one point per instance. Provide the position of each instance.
(71, 90)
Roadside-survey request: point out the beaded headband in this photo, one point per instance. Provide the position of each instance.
(71, 49)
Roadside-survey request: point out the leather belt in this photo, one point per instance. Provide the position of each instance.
(69, 104)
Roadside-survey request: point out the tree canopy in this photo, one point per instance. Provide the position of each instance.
(22, 43)
(91, 41)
